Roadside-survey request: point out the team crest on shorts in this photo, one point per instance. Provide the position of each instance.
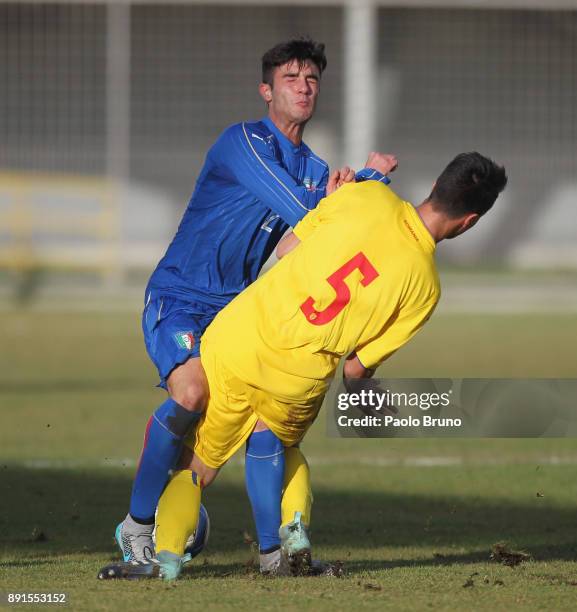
(184, 339)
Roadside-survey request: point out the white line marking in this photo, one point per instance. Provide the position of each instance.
(410, 461)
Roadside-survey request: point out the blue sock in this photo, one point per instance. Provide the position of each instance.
(163, 440)
(264, 470)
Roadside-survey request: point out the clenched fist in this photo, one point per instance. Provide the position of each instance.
(383, 162)
(340, 177)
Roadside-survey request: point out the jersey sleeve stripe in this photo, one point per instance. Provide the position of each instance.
(318, 160)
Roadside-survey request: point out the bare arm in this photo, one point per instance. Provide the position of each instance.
(286, 245)
(355, 369)
(355, 377)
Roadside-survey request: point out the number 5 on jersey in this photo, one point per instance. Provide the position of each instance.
(337, 281)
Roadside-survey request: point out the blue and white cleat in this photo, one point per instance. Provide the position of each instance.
(295, 547)
(196, 543)
(138, 545)
(135, 541)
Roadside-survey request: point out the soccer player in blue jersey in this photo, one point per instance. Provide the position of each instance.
(258, 179)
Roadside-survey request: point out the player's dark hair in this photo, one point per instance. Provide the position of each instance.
(299, 49)
(469, 184)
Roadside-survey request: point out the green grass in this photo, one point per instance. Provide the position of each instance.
(76, 389)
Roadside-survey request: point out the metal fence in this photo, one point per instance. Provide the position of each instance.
(137, 93)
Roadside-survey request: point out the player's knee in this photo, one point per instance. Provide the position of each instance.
(192, 396)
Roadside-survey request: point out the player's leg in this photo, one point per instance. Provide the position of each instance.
(295, 479)
(296, 518)
(297, 494)
(296, 511)
(296, 507)
(223, 429)
(177, 518)
(165, 433)
(293, 554)
(264, 474)
(178, 514)
(176, 355)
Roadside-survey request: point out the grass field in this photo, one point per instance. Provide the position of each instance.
(413, 521)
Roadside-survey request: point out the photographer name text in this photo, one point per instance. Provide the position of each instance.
(370, 401)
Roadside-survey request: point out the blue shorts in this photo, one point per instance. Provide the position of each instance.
(172, 331)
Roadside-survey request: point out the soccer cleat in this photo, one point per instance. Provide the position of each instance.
(198, 540)
(275, 565)
(140, 546)
(135, 546)
(170, 565)
(130, 570)
(295, 547)
(327, 570)
(166, 566)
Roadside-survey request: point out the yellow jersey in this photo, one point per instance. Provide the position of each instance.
(363, 278)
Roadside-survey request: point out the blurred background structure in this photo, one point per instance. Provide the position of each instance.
(107, 111)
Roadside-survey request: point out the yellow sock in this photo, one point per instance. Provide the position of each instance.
(297, 496)
(177, 515)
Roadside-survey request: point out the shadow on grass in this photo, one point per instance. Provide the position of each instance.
(50, 512)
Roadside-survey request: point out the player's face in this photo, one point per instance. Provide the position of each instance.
(294, 92)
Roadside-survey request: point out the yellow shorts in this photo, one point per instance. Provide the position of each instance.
(233, 410)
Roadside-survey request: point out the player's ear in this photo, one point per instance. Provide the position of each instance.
(468, 222)
(265, 91)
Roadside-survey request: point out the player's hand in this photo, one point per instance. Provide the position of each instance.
(339, 177)
(368, 385)
(383, 162)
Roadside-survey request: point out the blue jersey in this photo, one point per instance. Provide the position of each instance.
(254, 183)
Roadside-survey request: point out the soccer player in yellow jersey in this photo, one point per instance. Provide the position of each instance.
(357, 280)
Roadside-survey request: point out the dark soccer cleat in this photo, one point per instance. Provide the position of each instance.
(168, 567)
(130, 570)
(328, 570)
